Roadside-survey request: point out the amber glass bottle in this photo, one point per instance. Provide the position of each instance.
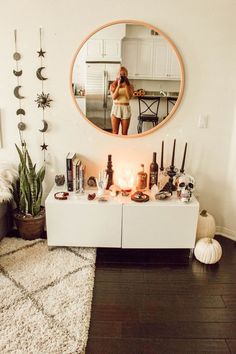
(141, 179)
(153, 171)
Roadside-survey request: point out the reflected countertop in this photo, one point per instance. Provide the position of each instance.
(161, 94)
(150, 94)
(80, 96)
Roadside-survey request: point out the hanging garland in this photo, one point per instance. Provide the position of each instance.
(18, 73)
(43, 100)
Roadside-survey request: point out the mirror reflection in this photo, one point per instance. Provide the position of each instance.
(126, 78)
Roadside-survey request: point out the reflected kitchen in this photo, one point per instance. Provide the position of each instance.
(153, 71)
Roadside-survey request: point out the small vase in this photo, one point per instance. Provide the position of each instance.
(60, 180)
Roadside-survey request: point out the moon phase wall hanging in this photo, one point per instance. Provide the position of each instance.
(43, 99)
(18, 73)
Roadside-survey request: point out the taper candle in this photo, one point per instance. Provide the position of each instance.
(173, 154)
(162, 156)
(183, 162)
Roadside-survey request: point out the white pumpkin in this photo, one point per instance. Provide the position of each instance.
(206, 226)
(208, 250)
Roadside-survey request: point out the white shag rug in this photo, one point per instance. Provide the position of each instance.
(45, 297)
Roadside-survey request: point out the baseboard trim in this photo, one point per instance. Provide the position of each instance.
(224, 231)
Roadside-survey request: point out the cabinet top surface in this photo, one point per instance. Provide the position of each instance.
(77, 198)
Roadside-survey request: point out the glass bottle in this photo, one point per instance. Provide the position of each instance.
(109, 172)
(81, 178)
(141, 179)
(153, 171)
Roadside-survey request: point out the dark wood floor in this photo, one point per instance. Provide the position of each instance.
(157, 301)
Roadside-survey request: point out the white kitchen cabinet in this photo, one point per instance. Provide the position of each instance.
(150, 59)
(160, 59)
(165, 61)
(137, 57)
(112, 49)
(103, 50)
(81, 101)
(173, 65)
(144, 59)
(120, 222)
(94, 49)
(129, 56)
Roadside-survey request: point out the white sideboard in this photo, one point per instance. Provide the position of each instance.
(120, 222)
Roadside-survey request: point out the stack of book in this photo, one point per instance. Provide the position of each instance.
(74, 176)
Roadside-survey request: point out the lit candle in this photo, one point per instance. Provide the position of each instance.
(173, 154)
(126, 181)
(183, 162)
(162, 156)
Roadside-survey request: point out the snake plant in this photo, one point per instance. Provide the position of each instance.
(28, 189)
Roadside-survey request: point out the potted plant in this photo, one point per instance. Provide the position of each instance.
(29, 215)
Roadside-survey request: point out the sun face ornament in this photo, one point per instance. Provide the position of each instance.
(43, 100)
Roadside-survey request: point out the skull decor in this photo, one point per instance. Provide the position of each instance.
(185, 188)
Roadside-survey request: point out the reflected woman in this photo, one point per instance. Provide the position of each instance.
(122, 92)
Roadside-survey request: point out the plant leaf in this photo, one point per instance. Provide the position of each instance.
(28, 188)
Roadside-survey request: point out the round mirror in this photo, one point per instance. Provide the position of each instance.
(127, 78)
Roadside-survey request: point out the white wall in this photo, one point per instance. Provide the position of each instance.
(203, 31)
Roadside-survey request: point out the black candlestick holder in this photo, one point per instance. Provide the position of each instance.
(171, 171)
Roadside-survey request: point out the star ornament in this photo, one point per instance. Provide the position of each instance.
(41, 53)
(44, 146)
(43, 100)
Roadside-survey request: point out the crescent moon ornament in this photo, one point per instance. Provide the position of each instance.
(45, 126)
(39, 75)
(16, 92)
(20, 111)
(21, 126)
(17, 73)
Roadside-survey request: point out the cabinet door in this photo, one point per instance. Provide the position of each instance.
(173, 65)
(82, 104)
(165, 62)
(129, 56)
(81, 223)
(145, 58)
(160, 59)
(169, 224)
(111, 49)
(103, 49)
(95, 49)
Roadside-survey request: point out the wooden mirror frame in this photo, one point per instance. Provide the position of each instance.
(182, 75)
